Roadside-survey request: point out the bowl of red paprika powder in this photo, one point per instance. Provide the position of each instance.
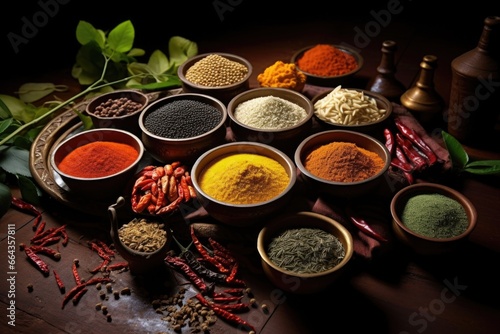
(327, 64)
(342, 163)
(97, 163)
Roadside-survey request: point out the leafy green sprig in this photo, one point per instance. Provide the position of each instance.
(461, 162)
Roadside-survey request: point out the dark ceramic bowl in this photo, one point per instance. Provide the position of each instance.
(222, 93)
(127, 122)
(422, 244)
(330, 81)
(342, 189)
(243, 214)
(302, 283)
(282, 139)
(374, 128)
(98, 187)
(185, 150)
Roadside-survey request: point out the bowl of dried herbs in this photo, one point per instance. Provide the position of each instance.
(304, 252)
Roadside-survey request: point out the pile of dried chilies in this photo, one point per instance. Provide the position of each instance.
(410, 154)
(211, 266)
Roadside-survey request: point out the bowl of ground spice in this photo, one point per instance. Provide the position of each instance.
(220, 75)
(278, 117)
(304, 252)
(240, 183)
(96, 163)
(431, 218)
(119, 109)
(342, 163)
(181, 127)
(327, 64)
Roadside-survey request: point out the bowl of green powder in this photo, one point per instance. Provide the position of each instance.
(432, 218)
(240, 183)
(304, 252)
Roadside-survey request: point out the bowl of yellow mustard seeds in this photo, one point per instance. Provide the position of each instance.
(217, 74)
(96, 163)
(342, 163)
(278, 117)
(432, 218)
(328, 65)
(240, 183)
(304, 252)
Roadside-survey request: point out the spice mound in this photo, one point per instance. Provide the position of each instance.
(327, 61)
(215, 70)
(182, 119)
(306, 250)
(142, 235)
(282, 75)
(98, 159)
(117, 107)
(348, 107)
(244, 178)
(343, 162)
(269, 112)
(435, 216)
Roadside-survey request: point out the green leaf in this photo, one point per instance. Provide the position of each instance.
(121, 38)
(5, 199)
(15, 161)
(484, 167)
(29, 191)
(4, 110)
(5, 124)
(86, 33)
(135, 52)
(180, 49)
(158, 62)
(459, 157)
(31, 92)
(18, 108)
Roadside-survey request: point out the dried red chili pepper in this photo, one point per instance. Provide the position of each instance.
(76, 274)
(40, 228)
(390, 141)
(71, 294)
(417, 140)
(231, 317)
(232, 275)
(179, 264)
(229, 299)
(36, 260)
(234, 291)
(95, 280)
(117, 266)
(79, 295)
(60, 283)
(411, 152)
(364, 226)
(54, 254)
(49, 241)
(203, 252)
(25, 206)
(201, 270)
(221, 250)
(100, 251)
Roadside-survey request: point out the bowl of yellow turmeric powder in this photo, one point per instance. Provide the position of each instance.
(96, 163)
(240, 183)
(432, 218)
(328, 64)
(342, 163)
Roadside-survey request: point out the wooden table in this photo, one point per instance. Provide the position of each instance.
(399, 292)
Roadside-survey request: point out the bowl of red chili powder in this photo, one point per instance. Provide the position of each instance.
(96, 163)
(327, 64)
(342, 163)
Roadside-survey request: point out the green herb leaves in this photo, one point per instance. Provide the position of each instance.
(460, 159)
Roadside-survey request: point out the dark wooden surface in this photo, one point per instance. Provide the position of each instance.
(398, 293)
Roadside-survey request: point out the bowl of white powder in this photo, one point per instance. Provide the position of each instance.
(274, 116)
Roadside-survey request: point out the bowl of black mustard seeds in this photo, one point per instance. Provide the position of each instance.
(182, 127)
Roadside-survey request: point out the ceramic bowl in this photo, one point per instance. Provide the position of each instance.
(185, 150)
(243, 214)
(374, 126)
(342, 189)
(303, 283)
(423, 244)
(128, 121)
(330, 81)
(281, 138)
(223, 93)
(95, 187)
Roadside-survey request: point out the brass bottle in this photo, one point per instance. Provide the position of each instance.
(422, 100)
(385, 82)
(475, 90)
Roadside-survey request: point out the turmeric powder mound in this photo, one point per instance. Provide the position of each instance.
(244, 178)
(343, 162)
(282, 75)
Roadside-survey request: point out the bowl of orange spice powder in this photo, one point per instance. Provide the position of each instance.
(96, 163)
(342, 163)
(328, 64)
